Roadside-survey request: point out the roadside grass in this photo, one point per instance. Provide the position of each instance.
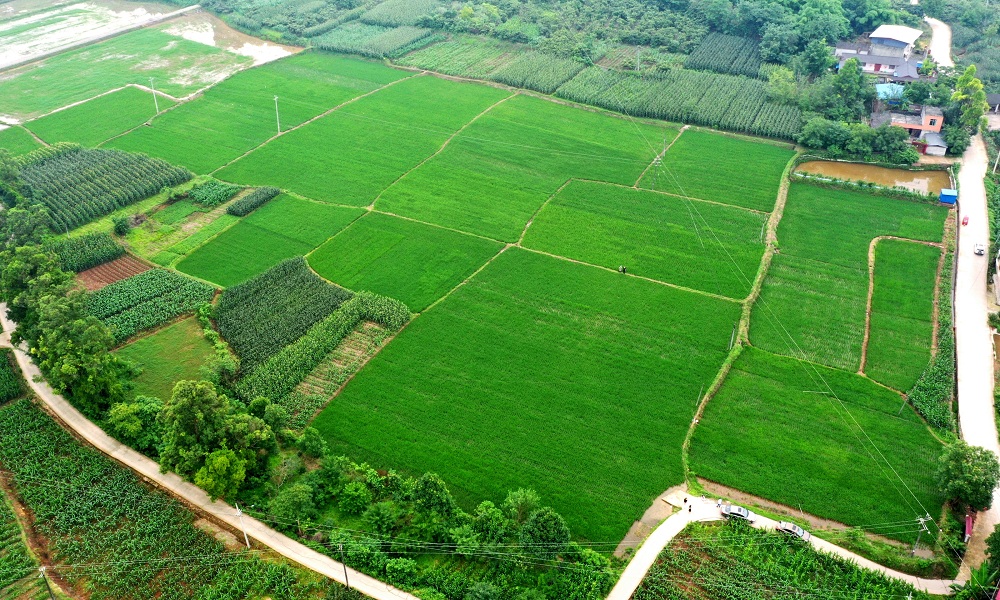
(167, 356)
(284, 227)
(653, 235)
(721, 168)
(539, 373)
(99, 119)
(494, 175)
(412, 262)
(775, 431)
(357, 151)
(899, 344)
(239, 113)
(17, 140)
(179, 67)
(812, 302)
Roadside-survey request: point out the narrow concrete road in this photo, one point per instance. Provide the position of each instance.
(188, 492)
(940, 42)
(703, 509)
(973, 342)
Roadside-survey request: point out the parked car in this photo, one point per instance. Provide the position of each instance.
(793, 530)
(979, 249)
(965, 220)
(731, 511)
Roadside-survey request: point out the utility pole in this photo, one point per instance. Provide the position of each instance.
(239, 513)
(923, 527)
(156, 103)
(276, 115)
(347, 582)
(47, 586)
(997, 160)
(637, 51)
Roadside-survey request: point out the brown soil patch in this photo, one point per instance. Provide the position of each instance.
(228, 539)
(108, 273)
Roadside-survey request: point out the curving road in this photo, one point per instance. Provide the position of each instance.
(188, 492)
(940, 42)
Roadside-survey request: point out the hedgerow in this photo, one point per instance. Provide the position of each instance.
(537, 71)
(263, 315)
(279, 375)
(146, 300)
(213, 193)
(79, 185)
(86, 251)
(252, 201)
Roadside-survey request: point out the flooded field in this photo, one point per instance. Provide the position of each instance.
(931, 182)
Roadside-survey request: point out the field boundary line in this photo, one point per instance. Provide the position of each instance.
(149, 121)
(411, 219)
(538, 210)
(681, 196)
(659, 156)
(194, 498)
(308, 121)
(33, 135)
(441, 149)
(649, 279)
(871, 292)
(949, 225)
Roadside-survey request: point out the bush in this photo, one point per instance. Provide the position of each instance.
(122, 225)
(355, 498)
(252, 201)
(311, 443)
(401, 571)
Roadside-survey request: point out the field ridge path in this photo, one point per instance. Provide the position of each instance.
(871, 292)
(185, 491)
(659, 156)
(681, 196)
(441, 149)
(308, 121)
(538, 210)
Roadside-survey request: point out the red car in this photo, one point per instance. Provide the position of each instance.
(965, 220)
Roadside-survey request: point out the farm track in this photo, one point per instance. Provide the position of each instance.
(185, 491)
(871, 292)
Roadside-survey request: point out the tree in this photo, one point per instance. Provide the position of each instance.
(781, 41)
(993, 548)
(137, 423)
(29, 274)
(24, 225)
(293, 503)
(544, 534)
(520, 503)
(355, 498)
(222, 474)
(823, 20)
(957, 138)
(967, 475)
(194, 421)
(781, 86)
(430, 494)
(853, 90)
(482, 590)
(312, 443)
(490, 524)
(816, 59)
(971, 98)
(382, 518)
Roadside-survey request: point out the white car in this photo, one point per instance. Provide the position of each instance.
(731, 511)
(793, 530)
(979, 249)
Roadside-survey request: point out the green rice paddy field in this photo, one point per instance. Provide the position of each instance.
(17, 140)
(96, 120)
(532, 363)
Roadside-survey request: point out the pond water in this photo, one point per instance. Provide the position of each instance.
(918, 181)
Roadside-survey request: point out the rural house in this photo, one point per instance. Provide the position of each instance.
(916, 121)
(888, 54)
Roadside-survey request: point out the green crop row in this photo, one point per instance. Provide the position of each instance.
(10, 380)
(147, 300)
(81, 185)
(15, 562)
(726, 54)
(252, 201)
(213, 193)
(263, 315)
(279, 375)
(932, 394)
(465, 56)
(375, 41)
(86, 251)
(710, 99)
(393, 13)
(107, 533)
(537, 71)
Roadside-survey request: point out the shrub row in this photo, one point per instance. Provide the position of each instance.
(146, 300)
(213, 193)
(10, 381)
(263, 315)
(252, 201)
(279, 375)
(86, 251)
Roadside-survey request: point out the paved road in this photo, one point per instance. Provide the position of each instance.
(940, 42)
(188, 492)
(703, 509)
(974, 345)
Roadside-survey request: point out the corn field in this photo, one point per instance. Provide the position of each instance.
(79, 185)
(374, 41)
(112, 538)
(726, 54)
(86, 251)
(733, 561)
(537, 71)
(393, 13)
(263, 315)
(146, 300)
(252, 201)
(465, 56)
(697, 97)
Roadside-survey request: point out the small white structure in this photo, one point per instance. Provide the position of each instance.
(935, 145)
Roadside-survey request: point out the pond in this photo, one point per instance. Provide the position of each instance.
(918, 181)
